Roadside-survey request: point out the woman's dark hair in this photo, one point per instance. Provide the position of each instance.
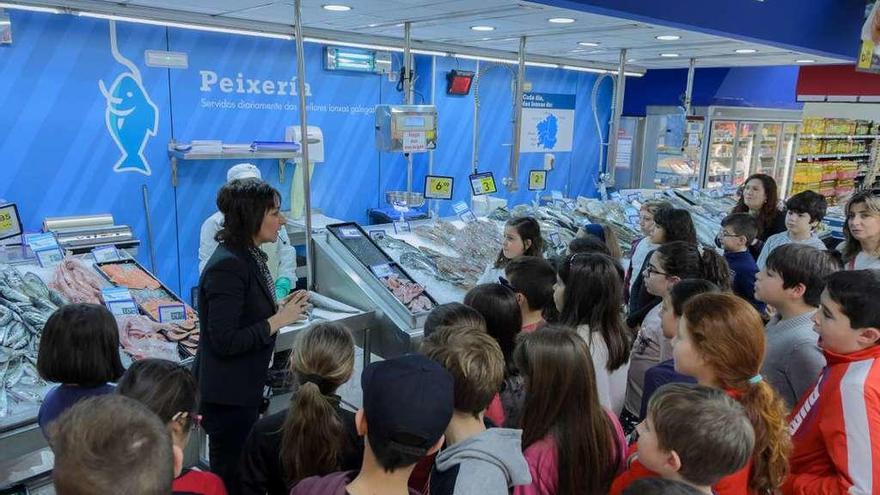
(562, 402)
(528, 229)
(677, 224)
(588, 244)
(454, 313)
(244, 203)
(80, 345)
(594, 296)
(313, 437)
(688, 288)
(165, 387)
(503, 318)
(684, 260)
(768, 212)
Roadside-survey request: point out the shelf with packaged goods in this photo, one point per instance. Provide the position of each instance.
(840, 136)
(835, 156)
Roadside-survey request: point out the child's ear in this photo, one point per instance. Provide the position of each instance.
(527, 243)
(798, 290)
(673, 461)
(868, 337)
(360, 422)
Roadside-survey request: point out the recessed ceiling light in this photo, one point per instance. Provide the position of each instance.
(669, 55)
(588, 43)
(805, 61)
(745, 50)
(372, 25)
(482, 28)
(668, 37)
(560, 20)
(631, 60)
(334, 7)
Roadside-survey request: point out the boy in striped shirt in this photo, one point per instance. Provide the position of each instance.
(836, 426)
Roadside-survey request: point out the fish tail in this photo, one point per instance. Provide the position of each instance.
(132, 162)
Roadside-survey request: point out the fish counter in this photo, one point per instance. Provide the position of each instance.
(30, 293)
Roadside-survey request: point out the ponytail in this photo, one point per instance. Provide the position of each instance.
(312, 436)
(715, 269)
(728, 334)
(768, 414)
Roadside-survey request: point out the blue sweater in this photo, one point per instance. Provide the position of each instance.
(62, 397)
(744, 270)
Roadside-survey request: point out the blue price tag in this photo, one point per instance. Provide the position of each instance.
(119, 301)
(401, 226)
(464, 213)
(172, 313)
(49, 257)
(105, 253)
(382, 271)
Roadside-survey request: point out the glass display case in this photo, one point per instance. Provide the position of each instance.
(664, 160)
(745, 141)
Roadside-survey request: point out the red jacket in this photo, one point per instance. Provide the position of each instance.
(733, 484)
(836, 429)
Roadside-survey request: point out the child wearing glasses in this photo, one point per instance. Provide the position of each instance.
(170, 390)
(668, 265)
(738, 232)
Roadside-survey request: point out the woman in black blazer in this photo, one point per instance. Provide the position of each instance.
(239, 320)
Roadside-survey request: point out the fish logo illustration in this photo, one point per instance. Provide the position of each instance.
(131, 117)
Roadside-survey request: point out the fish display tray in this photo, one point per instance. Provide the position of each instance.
(185, 352)
(362, 247)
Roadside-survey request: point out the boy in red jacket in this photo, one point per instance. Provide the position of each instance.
(836, 426)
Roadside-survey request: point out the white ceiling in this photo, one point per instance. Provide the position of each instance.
(449, 22)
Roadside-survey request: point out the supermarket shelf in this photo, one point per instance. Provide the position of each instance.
(840, 136)
(832, 155)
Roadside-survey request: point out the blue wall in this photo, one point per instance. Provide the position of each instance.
(764, 87)
(57, 156)
(823, 27)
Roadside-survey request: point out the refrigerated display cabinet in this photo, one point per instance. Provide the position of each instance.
(745, 141)
(665, 163)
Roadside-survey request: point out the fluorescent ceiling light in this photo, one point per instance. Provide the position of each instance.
(668, 37)
(631, 60)
(429, 52)
(745, 50)
(484, 59)
(333, 7)
(31, 8)
(805, 61)
(560, 20)
(588, 43)
(669, 55)
(186, 25)
(482, 28)
(542, 64)
(584, 69)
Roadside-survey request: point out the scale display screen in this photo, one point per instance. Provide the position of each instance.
(413, 122)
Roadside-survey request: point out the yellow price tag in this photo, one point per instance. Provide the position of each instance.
(5, 221)
(438, 187)
(866, 54)
(537, 180)
(488, 184)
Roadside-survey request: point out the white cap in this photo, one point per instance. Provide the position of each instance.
(243, 171)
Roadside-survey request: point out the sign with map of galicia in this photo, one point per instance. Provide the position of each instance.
(547, 122)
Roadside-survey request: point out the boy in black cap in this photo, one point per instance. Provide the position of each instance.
(408, 403)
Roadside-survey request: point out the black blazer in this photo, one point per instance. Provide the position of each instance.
(235, 347)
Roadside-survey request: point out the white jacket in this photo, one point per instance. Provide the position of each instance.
(282, 256)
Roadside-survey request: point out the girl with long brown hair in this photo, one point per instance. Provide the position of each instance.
(522, 237)
(862, 231)
(760, 198)
(720, 342)
(314, 436)
(572, 444)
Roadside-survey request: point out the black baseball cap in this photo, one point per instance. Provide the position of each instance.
(408, 402)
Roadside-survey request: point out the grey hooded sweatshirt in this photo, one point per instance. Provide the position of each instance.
(486, 464)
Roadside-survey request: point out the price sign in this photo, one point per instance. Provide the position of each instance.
(105, 253)
(49, 257)
(350, 232)
(537, 180)
(10, 223)
(438, 187)
(377, 235)
(382, 271)
(554, 238)
(414, 141)
(483, 183)
(46, 249)
(119, 301)
(402, 226)
(464, 213)
(172, 313)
